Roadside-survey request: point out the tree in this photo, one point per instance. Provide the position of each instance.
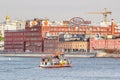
(1, 38)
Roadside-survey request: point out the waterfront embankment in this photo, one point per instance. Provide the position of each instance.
(22, 54)
(102, 55)
(42, 55)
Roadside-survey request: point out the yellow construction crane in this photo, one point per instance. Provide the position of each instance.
(105, 14)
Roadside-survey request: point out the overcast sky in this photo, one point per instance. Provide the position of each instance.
(58, 9)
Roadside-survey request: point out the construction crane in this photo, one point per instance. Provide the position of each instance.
(105, 14)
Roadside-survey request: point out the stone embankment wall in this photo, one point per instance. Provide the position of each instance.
(34, 54)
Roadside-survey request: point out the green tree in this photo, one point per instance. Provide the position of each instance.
(1, 38)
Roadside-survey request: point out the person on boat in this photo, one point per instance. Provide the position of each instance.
(49, 62)
(53, 61)
(64, 61)
(43, 61)
(57, 55)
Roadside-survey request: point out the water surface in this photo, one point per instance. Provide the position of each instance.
(22, 68)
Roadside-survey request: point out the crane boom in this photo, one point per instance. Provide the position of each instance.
(105, 14)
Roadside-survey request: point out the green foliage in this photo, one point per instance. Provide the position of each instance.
(1, 38)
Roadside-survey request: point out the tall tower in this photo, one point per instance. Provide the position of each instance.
(7, 18)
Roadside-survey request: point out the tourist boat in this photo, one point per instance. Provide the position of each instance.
(55, 61)
(55, 66)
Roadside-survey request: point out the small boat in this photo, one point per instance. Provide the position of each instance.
(55, 61)
(55, 66)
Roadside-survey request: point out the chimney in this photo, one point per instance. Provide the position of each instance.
(112, 27)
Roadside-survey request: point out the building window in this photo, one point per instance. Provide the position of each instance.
(54, 29)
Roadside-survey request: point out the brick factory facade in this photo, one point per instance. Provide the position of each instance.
(34, 37)
(74, 46)
(95, 44)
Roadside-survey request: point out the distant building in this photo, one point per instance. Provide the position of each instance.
(51, 44)
(74, 46)
(27, 40)
(14, 41)
(36, 37)
(10, 25)
(101, 44)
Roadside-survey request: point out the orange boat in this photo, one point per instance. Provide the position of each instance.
(55, 61)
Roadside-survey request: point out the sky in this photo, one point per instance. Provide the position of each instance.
(58, 9)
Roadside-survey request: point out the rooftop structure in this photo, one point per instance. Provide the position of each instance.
(11, 25)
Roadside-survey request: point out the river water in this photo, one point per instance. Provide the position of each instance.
(21, 68)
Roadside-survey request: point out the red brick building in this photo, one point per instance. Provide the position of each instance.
(84, 29)
(28, 40)
(51, 44)
(97, 44)
(31, 39)
(14, 41)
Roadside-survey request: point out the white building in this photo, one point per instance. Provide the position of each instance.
(10, 25)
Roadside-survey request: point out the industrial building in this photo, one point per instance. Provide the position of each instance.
(38, 36)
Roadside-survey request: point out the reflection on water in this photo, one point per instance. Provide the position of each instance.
(18, 68)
